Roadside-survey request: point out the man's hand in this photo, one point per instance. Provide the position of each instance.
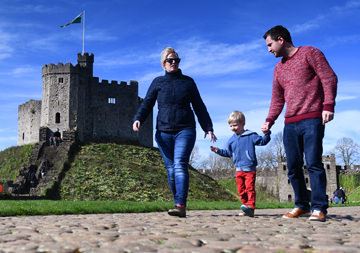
(327, 116)
(136, 126)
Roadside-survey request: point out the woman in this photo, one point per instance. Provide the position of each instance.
(175, 126)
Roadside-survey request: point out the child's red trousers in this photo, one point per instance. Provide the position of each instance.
(245, 182)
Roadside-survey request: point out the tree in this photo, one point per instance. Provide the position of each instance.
(269, 157)
(195, 157)
(278, 146)
(347, 151)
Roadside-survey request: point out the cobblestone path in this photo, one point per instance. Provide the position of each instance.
(202, 231)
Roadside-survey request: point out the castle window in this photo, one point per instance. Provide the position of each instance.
(284, 167)
(61, 80)
(288, 181)
(57, 118)
(23, 136)
(328, 166)
(306, 180)
(112, 100)
(289, 198)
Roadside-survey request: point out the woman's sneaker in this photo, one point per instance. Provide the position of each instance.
(246, 211)
(179, 211)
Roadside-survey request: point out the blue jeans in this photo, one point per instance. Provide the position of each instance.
(305, 137)
(175, 148)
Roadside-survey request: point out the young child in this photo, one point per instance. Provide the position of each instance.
(241, 148)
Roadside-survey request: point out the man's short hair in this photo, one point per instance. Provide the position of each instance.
(278, 31)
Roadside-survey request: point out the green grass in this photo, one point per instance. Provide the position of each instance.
(125, 172)
(349, 181)
(12, 160)
(261, 195)
(51, 207)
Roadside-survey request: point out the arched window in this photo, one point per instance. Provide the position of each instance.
(57, 118)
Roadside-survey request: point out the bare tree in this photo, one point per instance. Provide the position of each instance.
(347, 151)
(218, 166)
(195, 157)
(278, 144)
(267, 159)
(273, 153)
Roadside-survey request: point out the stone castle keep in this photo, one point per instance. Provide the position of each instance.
(75, 101)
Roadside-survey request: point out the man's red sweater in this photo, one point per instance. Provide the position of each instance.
(306, 83)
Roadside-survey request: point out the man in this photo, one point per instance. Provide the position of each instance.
(305, 82)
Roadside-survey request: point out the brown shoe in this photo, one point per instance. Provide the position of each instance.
(179, 211)
(317, 215)
(295, 213)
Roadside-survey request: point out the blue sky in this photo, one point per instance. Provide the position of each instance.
(220, 43)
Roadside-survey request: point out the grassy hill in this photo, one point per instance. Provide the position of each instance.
(12, 159)
(115, 172)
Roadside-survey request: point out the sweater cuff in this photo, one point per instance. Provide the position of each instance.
(271, 122)
(329, 107)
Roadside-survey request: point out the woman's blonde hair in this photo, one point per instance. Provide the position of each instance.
(166, 51)
(237, 117)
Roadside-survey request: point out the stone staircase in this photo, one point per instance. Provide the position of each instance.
(47, 167)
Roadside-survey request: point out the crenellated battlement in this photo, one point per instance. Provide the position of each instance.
(74, 100)
(106, 83)
(59, 68)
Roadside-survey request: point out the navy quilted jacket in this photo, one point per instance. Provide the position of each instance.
(174, 93)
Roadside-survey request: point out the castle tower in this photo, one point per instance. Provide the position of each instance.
(73, 99)
(55, 109)
(286, 192)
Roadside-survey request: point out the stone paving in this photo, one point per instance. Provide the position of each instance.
(202, 231)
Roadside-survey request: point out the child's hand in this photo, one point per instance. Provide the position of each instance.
(265, 131)
(214, 149)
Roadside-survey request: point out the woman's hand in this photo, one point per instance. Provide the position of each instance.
(136, 125)
(211, 136)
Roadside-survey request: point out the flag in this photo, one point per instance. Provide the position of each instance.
(76, 20)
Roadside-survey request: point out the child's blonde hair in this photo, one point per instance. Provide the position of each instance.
(236, 116)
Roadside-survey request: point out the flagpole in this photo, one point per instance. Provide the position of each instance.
(83, 35)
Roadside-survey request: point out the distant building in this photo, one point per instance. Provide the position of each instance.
(74, 100)
(276, 181)
(286, 192)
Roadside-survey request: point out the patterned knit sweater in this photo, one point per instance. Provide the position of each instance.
(306, 83)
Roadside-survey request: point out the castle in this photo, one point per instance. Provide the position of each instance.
(276, 182)
(74, 101)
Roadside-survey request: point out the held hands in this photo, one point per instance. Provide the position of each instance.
(211, 136)
(136, 125)
(265, 127)
(327, 116)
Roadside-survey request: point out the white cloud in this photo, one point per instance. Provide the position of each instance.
(204, 58)
(6, 49)
(345, 124)
(324, 18)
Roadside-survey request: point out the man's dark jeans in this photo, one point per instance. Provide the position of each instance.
(175, 148)
(305, 137)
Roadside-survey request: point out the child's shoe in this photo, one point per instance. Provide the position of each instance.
(246, 211)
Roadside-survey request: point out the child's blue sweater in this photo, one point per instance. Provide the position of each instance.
(241, 148)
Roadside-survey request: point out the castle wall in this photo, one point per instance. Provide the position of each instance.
(286, 192)
(113, 106)
(268, 180)
(29, 115)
